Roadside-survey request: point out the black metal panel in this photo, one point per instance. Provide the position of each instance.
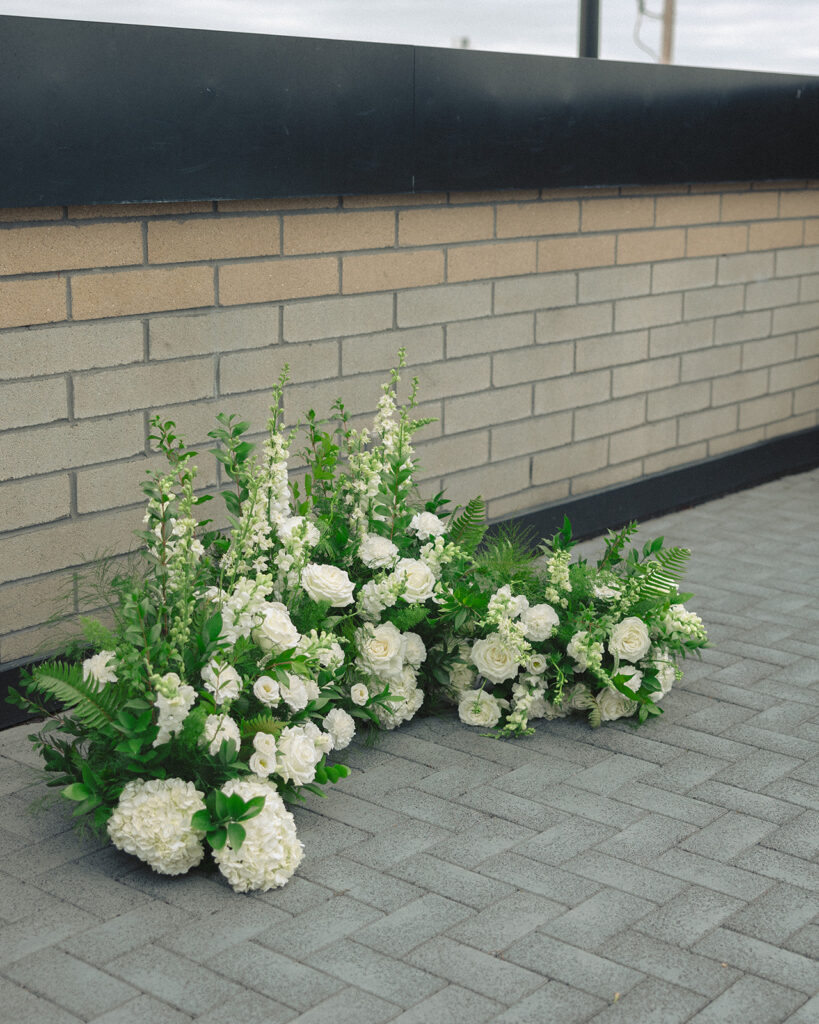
(488, 120)
(110, 113)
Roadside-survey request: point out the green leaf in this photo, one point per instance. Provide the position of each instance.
(201, 820)
(77, 791)
(252, 807)
(236, 834)
(218, 837)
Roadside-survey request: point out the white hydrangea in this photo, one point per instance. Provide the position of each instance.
(340, 726)
(99, 669)
(223, 681)
(426, 525)
(217, 729)
(271, 850)
(152, 821)
(377, 552)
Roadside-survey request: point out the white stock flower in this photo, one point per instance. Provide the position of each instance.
(377, 552)
(267, 691)
(381, 651)
(666, 674)
(539, 621)
(217, 729)
(494, 659)
(152, 821)
(271, 850)
(340, 726)
(504, 605)
(327, 583)
(276, 632)
(426, 525)
(297, 755)
(415, 653)
(479, 708)
(359, 694)
(613, 704)
(604, 592)
(629, 639)
(223, 681)
(173, 710)
(417, 578)
(99, 668)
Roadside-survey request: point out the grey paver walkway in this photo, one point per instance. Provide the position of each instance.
(662, 875)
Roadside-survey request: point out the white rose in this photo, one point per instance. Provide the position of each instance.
(297, 756)
(276, 632)
(377, 552)
(629, 639)
(381, 651)
(340, 726)
(494, 660)
(633, 679)
(613, 704)
(414, 650)
(539, 621)
(418, 580)
(99, 669)
(267, 691)
(479, 708)
(327, 583)
(426, 525)
(359, 694)
(223, 681)
(217, 729)
(288, 526)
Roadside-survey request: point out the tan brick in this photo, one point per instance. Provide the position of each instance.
(36, 401)
(710, 302)
(447, 453)
(747, 267)
(680, 275)
(73, 543)
(701, 426)
(769, 294)
(737, 439)
(804, 317)
(574, 322)
(717, 240)
(116, 485)
(583, 192)
(368, 352)
(490, 482)
(797, 261)
(651, 311)
(540, 291)
(125, 292)
(386, 271)
(570, 460)
(675, 457)
(394, 199)
(533, 498)
(613, 283)
(466, 338)
(617, 214)
(450, 224)
(768, 409)
(37, 500)
(15, 214)
(609, 417)
(498, 405)
(524, 220)
(641, 441)
(685, 337)
(23, 605)
(712, 362)
(337, 317)
(768, 351)
(575, 253)
(799, 203)
(794, 424)
(812, 232)
(677, 400)
(454, 377)
(783, 234)
(338, 232)
(645, 376)
(280, 203)
(608, 477)
(134, 210)
(750, 206)
(260, 368)
(487, 259)
(807, 344)
(806, 400)
(610, 350)
(505, 195)
(674, 210)
(29, 353)
(274, 280)
(442, 303)
(738, 387)
(654, 190)
(808, 287)
(212, 238)
(798, 374)
(645, 246)
(42, 641)
(67, 246)
(533, 434)
(142, 386)
(572, 392)
(38, 301)
(742, 327)
(217, 330)
(527, 364)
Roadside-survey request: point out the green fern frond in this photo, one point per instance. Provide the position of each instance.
(469, 527)
(261, 723)
(94, 708)
(594, 716)
(661, 576)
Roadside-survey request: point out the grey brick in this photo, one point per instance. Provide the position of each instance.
(565, 841)
(777, 913)
(725, 878)
(452, 1005)
(29, 934)
(472, 846)
(349, 1006)
(757, 770)
(335, 318)
(451, 880)
(415, 803)
(362, 883)
(592, 923)
(120, 934)
(529, 813)
(729, 835)
(807, 1013)
(614, 283)
(627, 877)
(750, 999)
(762, 958)
(687, 917)
(71, 984)
(733, 798)
(653, 1002)
(249, 1008)
(651, 311)
(782, 866)
(443, 303)
(466, 338)
(673, 805)
(394, 980)
(318, 927)
(553, 1002)
(536, 291)
(489, 976)
(612, 774)
(412, 924)
(671, 963)
(298, 895)
(383, 851)
(23, 1007)
(530, 875)
(800, 837)
(502, 923)
(646, 839)
(147, 1010)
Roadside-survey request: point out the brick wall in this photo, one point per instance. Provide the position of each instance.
(566, 342)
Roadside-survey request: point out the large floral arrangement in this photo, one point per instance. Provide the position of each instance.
(239, 659)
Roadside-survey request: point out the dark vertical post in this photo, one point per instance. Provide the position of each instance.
(589, 32)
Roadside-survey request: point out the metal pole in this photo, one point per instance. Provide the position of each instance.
(589, 31)
(668, 32)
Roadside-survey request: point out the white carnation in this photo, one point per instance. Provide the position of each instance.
(152, 820)
(494, 659)
(223, 681)
(479, 708)
(633, 679)
(99, 668)
(539, 621)
(377, 552)
(340, 726)
(629, 639)
(217, 729)
(426, 525)
(404, 700)
(415, 652)
(294, 693)
(327, 583)
(276, 632)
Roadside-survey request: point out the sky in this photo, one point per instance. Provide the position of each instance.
(759, 35)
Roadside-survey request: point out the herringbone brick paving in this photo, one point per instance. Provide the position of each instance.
(667, 874)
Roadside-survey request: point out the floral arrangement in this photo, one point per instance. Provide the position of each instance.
(239, 659)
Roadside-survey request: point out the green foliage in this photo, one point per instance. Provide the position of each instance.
(95, 708)
(221, 818)
(468, 529)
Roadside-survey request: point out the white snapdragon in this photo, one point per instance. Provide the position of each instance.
(682, 625)
(173, 701)
(426, 525)
(378, 595)
(504, 605)
(99, 668)
(557, 573)
(586, 653)
(223, 681)
(328, 583)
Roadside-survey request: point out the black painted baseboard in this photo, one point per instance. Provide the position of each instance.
(652, 496)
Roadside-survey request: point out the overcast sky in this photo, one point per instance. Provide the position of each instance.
(762, 35)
